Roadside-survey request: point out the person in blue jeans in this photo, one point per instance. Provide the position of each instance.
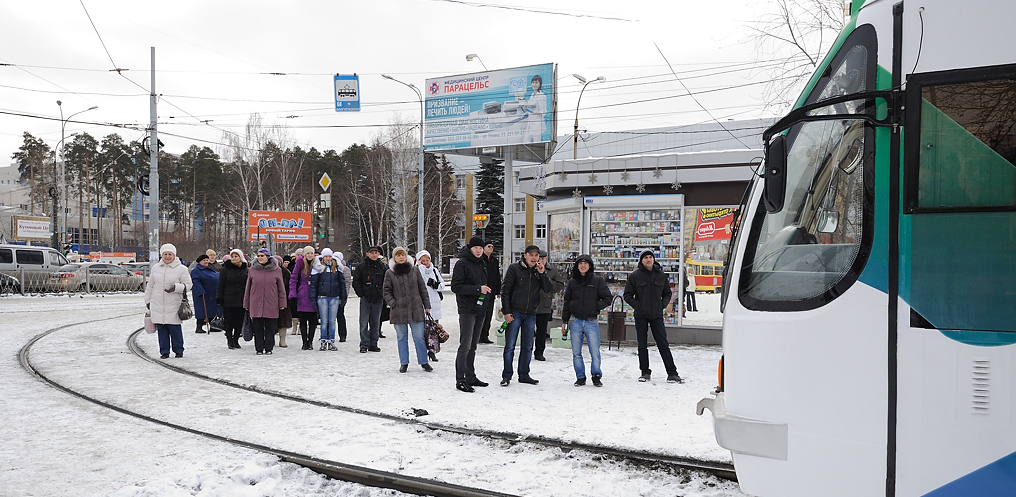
(328, 289)
(520, 299)
(585, 295)
(406, 294)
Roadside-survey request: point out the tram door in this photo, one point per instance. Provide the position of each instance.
(957, 335)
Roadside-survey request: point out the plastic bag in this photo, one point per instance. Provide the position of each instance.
(149, 325)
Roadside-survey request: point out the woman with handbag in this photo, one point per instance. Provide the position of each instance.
(435, 286)
(406, 294)
(165, 294)
(229, 295)
(299, 290)
(263, 297)
(206, 283)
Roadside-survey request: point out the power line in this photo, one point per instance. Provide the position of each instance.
(532, 10)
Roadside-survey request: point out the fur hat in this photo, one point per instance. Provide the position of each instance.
(169, 247)
(200, 258)
(423, 253)
(338, 256)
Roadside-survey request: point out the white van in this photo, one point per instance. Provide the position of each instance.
(30, 265)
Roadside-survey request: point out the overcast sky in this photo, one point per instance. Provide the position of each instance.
(213, 60)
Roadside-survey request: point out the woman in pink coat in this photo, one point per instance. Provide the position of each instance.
(263, 298)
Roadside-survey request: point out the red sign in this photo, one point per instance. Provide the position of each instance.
(713, 225)
(282, 225)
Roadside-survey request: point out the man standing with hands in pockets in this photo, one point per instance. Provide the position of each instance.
(520, 300)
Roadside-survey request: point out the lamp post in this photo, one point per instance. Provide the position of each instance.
(472, 56)
(62, 193)
(575, 137)
(419, 183)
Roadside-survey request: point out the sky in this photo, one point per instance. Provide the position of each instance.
(219, 62)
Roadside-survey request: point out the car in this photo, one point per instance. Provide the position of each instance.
(141, 268)
(30, 265)
(95, 277)
(9, 284)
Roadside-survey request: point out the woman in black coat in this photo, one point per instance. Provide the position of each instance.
(232, 284)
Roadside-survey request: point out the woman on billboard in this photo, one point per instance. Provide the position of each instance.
(535, 109)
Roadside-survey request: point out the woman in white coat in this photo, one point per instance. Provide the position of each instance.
(168, 281)
(435, 287)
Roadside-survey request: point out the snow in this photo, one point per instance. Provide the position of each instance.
(56, 444)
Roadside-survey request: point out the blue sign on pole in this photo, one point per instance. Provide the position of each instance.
(347, 93)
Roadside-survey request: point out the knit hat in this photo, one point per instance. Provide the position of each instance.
(338, 256)
(476, 242)
(532, 248)
(422, 253)
(287, 258)
(169, 247)
(225, 258)
(398, 250)
(265, 251)
(238, 252)
(305, 249)
(326, 251)
(644, 254)
(200, 258)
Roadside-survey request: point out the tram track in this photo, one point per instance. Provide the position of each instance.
(333, 469)
(721, 470)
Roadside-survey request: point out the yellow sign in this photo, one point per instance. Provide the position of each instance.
(325, 181)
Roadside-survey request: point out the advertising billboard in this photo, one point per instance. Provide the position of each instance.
(713, 225)
(31, 228)
(282, 225)
(491, 109)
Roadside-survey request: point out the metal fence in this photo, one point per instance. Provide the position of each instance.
(112, 279)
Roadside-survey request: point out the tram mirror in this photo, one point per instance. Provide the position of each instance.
(827, 221)
(775, 174)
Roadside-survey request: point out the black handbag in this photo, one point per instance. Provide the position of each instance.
(186, 311)
(248, 327)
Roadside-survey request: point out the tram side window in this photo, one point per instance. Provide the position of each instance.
(798, 256)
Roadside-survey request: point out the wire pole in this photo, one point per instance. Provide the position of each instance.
(153, 177)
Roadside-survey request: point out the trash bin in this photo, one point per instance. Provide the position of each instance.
(615, 323)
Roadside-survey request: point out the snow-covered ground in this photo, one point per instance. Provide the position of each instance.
(55, 444)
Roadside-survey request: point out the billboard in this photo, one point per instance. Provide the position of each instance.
(491, 109)
(284, 226)
(713, 225)
(31, 228)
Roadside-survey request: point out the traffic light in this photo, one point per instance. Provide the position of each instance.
(319, 226)
(481, 220)
(331, 235)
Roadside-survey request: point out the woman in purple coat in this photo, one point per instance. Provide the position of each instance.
(299, 288)
(263, 298)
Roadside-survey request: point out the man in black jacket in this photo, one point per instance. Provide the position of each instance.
(368, 280)
(648, 293)
(520, 299)
(543, 313)
(469, 282)
(585, 295)
(493, 268)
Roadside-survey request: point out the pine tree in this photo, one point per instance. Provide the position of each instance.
(490, 200)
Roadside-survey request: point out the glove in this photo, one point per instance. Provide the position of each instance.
(148, 306)
(432, 283)
(170, 287)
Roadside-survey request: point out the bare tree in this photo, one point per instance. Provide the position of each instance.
(244, 156)
(790, 43)
(404, 144)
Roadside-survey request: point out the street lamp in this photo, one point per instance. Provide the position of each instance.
(472, 56)
(575, 138)
(62, 193)
(419, 183)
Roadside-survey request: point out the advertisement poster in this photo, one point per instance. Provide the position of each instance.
(282, 225)
(713, 225)
(31, 228)
(491, 109)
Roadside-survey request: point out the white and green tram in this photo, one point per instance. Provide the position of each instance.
(869, 335)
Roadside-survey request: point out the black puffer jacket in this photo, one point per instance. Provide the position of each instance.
(648, 292)
(585, 296)
(521, 289)
(469, 275)
(369, 280)
(493, 273)
(232, 285)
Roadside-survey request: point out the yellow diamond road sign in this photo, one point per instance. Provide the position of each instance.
(325, 181)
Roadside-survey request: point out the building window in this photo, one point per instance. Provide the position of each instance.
(540, 231)
(520, 231)
(460, 182)
(520, 204)
(23, 207)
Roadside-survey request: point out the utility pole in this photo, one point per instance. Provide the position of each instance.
(153, 177)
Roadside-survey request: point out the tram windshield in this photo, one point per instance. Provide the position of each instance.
(800, 253)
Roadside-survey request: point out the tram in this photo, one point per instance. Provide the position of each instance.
(860, 358)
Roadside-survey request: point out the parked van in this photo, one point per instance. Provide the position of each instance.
(30, 264)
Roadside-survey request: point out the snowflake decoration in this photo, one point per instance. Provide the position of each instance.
(563, 175)
(657, 172)
(641, 187)
(592, 178)
(576, 193)
(676, 184)
(607, 190)
(625, 176)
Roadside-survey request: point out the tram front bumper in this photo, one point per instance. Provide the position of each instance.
(744, 435)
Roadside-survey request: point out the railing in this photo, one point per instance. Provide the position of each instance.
(78, 281)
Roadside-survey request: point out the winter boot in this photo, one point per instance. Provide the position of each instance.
(433, 358)
(331, 345)
(324, 345)
(282, 338)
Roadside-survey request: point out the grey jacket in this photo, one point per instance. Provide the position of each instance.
(405, 293)
(557, 283)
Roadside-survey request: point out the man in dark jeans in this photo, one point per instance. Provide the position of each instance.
(520, 299)
(368, 280)
(648, 293)
(546, 301)
(469, 282)
(493, 268)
